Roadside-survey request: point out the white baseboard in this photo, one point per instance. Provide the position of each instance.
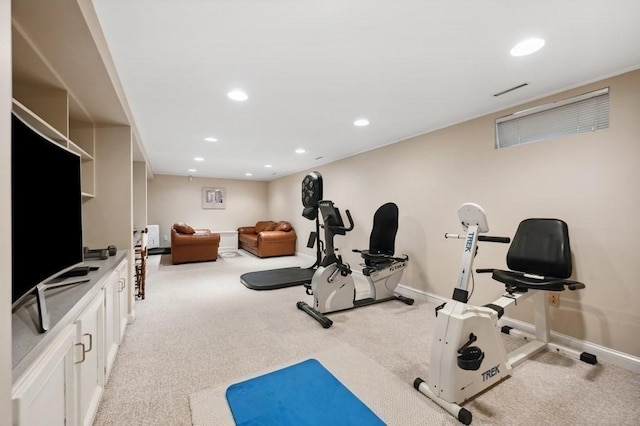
(604, 354)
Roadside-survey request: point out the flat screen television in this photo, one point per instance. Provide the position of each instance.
(46, 214)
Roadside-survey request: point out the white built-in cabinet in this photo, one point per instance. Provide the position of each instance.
(115, 302)
(64, 384)
(122, 273)
(110, 294)
(65, 86)
(90, 330)
(46, 393)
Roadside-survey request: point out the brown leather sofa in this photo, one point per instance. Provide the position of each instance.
(193, 245)
(268, 239)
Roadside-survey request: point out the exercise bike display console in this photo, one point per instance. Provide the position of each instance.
(468, 354)
(332, 284)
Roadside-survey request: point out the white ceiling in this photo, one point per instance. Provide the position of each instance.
(311, 68)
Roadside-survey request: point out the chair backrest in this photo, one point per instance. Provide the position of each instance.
(385, 227)
(541, 247)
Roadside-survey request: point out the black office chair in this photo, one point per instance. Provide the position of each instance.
(539, 258)
(383, 238)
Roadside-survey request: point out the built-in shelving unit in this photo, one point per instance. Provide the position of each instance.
(84, 134)
(66, 87)
(38, 123)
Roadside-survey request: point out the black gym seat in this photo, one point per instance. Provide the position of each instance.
(382, 239)
(539, 258)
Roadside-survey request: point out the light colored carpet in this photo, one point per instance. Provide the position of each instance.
(165, 259)
(199, 329)
(383, 392)
(230, 255)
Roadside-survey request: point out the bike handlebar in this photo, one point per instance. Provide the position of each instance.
(350, 221)
(485, 238)
(504, 240)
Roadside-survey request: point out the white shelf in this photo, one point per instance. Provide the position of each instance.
(84, 155)
(39, 124)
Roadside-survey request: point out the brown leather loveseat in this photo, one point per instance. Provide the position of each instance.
(193, 245)
(268, 238)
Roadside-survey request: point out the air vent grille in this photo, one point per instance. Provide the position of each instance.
(519, 86)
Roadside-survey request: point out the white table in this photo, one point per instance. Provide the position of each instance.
(228, 241)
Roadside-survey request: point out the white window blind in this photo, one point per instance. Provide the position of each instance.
(585, 113)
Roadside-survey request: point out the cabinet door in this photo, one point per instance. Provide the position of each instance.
(46, 393)
(110, 293)
(123, 298)
(90, 366)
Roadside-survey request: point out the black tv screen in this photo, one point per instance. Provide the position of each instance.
(46, 209)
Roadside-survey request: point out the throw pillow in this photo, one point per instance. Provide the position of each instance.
(183, 228)
(271, 227)
(283, 226)
(266, 225)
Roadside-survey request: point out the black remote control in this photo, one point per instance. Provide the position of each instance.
(78, 271)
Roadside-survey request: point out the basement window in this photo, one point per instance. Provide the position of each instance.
(580, 114)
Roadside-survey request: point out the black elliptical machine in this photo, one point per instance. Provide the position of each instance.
(273, 279)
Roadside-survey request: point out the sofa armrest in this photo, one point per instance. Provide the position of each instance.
(275, 236)
(247, 230)
(195, 239)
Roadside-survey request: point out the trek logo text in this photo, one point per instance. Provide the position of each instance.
(467, 247)
(490, 373)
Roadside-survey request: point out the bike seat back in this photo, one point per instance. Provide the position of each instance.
(385, 226)
(541, 247)
(539, 257)
(382, 238)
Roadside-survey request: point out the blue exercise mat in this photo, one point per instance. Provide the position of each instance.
(302, 394)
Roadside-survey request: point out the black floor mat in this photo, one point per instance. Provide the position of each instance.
(277, 278)
(159, 250)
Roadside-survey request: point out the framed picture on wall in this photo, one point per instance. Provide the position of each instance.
(214, 198)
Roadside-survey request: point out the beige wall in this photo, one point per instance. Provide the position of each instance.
(5, 213)
(174, 199)
(588, 180)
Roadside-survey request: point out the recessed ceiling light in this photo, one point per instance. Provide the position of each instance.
(300, 151)
(268, 166)
(198, 159)
(211, 139)
(361, 122)
(237, 95)
(248, 174)
(192, 170)
(527, 47)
